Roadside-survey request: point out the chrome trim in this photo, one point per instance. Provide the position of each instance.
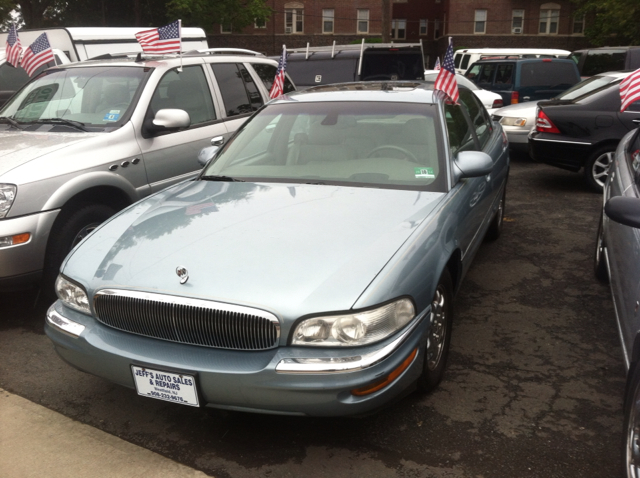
(558, 141)
(346, 364)
(196, 327)
(66, 325)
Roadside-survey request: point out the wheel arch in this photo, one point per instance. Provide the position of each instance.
(454, 266)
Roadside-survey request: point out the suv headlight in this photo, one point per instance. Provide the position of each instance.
(7, 195)
(72, 295)
(358, 328)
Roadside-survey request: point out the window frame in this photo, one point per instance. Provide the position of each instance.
(424, 26)
(360, 14)
(328, 18)
(515, 16)
(394, 28)
(581, 23)
(477, 21)
(546, 17)
(224, 30)
(295, 13)
(257, 25)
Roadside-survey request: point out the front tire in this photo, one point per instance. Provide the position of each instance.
(596, 169)
(599, 262)
(70, 228)
(438, 335)
(631, 443)
(495, 228)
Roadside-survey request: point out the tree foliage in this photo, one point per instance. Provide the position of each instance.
(138, 13)
(611, 22)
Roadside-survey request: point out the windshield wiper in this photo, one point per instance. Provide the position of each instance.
(67, 122)
(11, 121)
(222, 178)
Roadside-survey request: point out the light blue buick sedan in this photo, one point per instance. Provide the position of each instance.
(309, 270)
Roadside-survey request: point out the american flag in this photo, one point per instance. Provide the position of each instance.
(37, 54)
(437, 66)
(630, 90)
(278, 82)
(446, 80)
(14, 47)
(165, 39)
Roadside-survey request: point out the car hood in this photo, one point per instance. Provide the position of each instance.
(18, 148)
(289, 249)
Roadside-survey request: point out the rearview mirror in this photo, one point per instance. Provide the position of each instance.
(472, 164)
(624, 210)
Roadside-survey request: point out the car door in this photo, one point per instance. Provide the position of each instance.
(172, 157)
(623, 247)
(630, 117)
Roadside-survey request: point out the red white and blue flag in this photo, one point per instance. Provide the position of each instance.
(630, 90)
(446, 80)
(166, 39)
(37, 54)
(437, 66)
(278, 82)
(14, 47)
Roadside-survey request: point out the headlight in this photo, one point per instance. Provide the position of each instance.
(72, 295)
(510, 121)
(7, 195)
(359, 328)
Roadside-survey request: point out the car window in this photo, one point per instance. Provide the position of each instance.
(372, 144)
(598, 61)
(504, 75)
(548, 74)
(187, 90)
(460, 134)
(239, 93)
(479, 116)
(465, 62)
(486, 74)
(473, 72)
(633, 158)
(267, 74)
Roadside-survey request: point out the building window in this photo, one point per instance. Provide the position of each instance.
(327, 20)
(260, 23)
(398, 29)
(293, 20)
(225, 28)
(424, 26)
(363, 21)
(549, 21)
(480, 22)
(436, 29)
(578, 24)
(517, 21)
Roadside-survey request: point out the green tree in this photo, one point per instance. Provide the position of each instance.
(6, 6)
(206, 13)
(612, 22)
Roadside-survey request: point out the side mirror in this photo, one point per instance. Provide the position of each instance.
(166, 121)
(207, 154)
(472, 164)
(625, 210)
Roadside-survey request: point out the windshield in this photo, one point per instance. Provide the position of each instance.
(379, 144)
(431, 77)
(587, 86)
(96, 96)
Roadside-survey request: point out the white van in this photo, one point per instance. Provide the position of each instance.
(82, 43)
(466, 57)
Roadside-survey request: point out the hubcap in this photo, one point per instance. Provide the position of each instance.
(600, 168)
(438, 330)
(84, 232)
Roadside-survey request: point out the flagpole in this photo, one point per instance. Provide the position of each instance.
(180, 51)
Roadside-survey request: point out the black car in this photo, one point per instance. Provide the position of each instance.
(597, 60)
(583, 132)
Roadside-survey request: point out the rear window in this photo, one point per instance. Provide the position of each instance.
(321, 72)
(392, 65)
(548, 74)
(598, 61)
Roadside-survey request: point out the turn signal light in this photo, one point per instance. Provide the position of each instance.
(14, 240)
(380, 384)
(515, 97)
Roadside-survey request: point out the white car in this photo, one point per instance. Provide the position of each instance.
(492, 101)
(517, 120)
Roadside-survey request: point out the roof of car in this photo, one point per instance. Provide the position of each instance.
(392, 91)
(524, 60)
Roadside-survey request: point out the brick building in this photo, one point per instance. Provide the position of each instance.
(294, 23)
(487, 23)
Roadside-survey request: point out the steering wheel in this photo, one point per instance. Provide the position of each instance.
(408, 154)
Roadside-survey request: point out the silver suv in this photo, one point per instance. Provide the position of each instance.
(81, 142)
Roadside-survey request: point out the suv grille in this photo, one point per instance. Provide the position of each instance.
(187, 321)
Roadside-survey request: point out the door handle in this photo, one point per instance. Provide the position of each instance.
(217, 141)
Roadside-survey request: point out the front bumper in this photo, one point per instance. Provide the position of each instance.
(273, 381)
(22, 264)
(560, 151)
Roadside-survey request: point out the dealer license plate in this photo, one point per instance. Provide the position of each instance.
(172, 387)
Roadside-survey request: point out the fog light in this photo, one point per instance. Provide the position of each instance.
(380, 384)
(7, 241)
(69, 326)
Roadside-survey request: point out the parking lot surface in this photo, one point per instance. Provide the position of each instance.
(533, 389)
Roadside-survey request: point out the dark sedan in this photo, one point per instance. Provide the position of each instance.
(583, 132)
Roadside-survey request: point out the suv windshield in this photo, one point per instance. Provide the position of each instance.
(96, 96)
(378, 144)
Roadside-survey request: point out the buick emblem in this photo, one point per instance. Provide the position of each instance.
(183, 273)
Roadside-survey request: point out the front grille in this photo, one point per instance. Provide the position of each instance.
(187, 321)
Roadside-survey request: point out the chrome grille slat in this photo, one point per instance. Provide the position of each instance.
(188, 321)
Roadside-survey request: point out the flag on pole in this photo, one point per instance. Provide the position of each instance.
(278, 82)
(166, 39)
(446, 80)
(37, 54)
(630, 90)
(437, 65)
(14, 47)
